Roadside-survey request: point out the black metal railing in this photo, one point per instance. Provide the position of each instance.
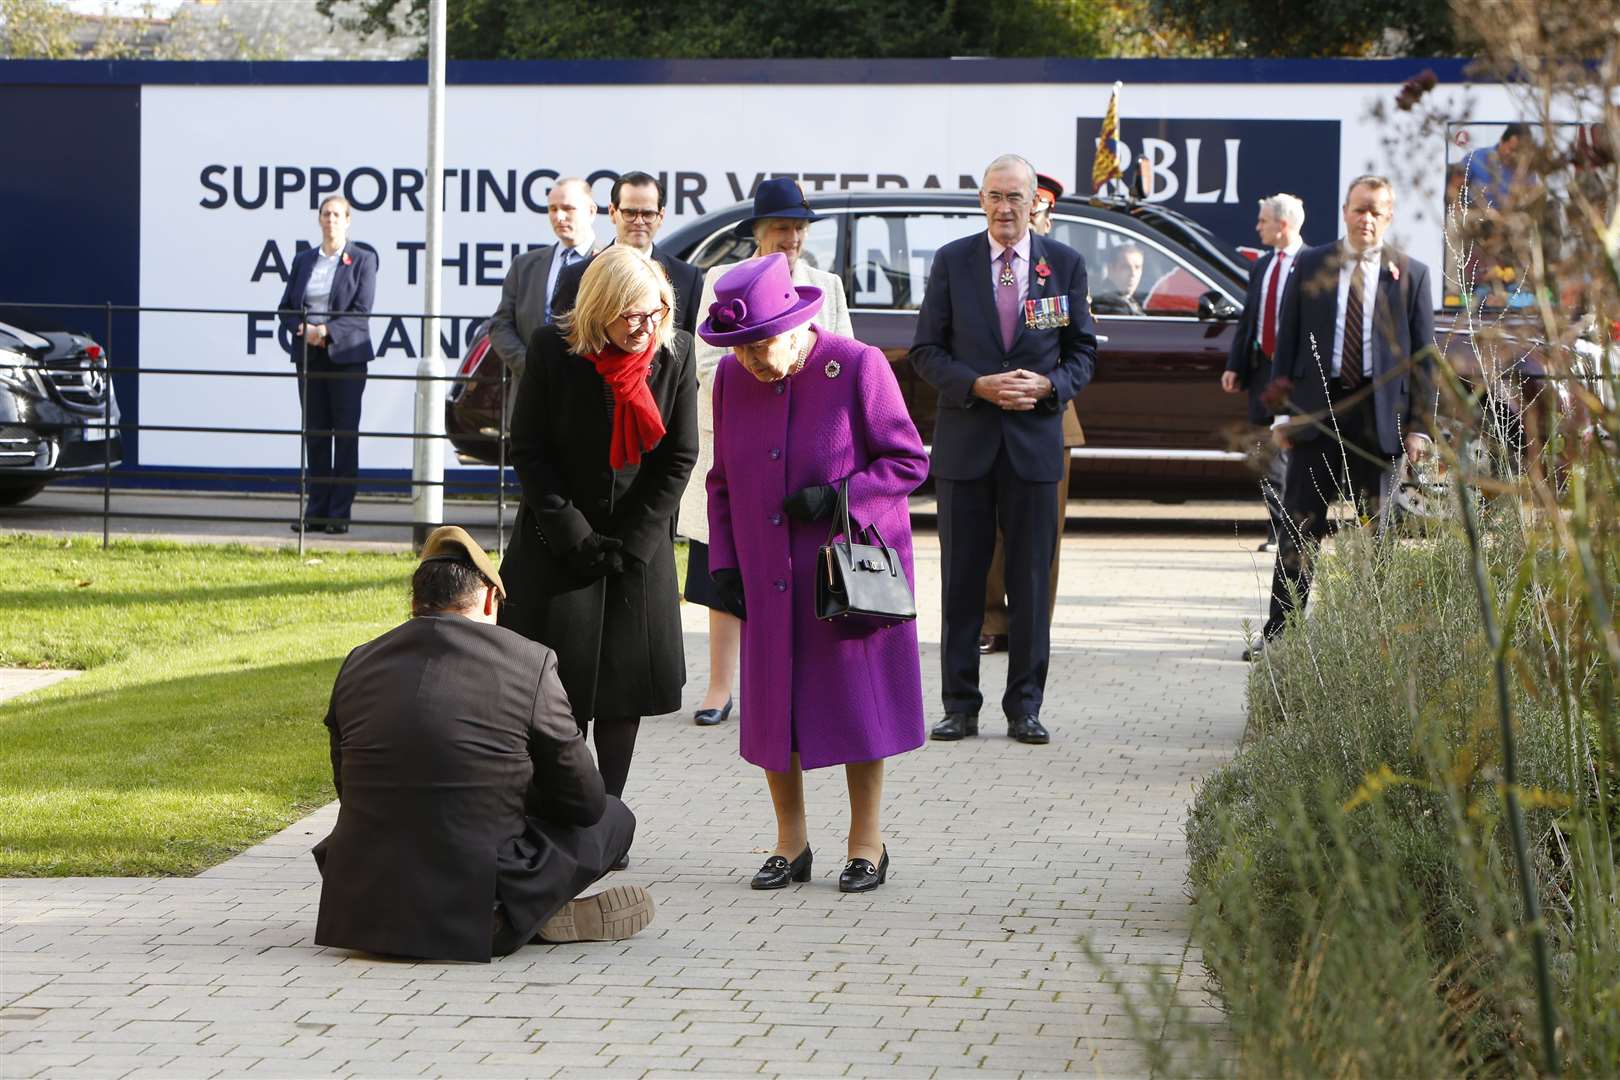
(107, 427)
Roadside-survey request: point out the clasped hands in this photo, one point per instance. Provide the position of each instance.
(1016, 391)
(314, 333)
(597, 556)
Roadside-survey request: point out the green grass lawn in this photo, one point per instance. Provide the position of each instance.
(196, 729)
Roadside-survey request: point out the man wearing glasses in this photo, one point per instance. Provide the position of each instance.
(1006, 337)
(532, 280)
(637, 211)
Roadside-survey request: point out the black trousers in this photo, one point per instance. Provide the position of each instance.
(571, 859)
(331, 404)
(1348, 465)
(969, 513)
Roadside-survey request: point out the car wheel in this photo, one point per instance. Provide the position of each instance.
(14, 491)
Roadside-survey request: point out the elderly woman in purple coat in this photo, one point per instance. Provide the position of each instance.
(798, 410)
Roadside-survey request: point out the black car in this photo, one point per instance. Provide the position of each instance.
(1155, 418)
(56, 409)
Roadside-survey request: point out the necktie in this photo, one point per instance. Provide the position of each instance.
(1007, 299)
(1350, 375)
(1268, 325)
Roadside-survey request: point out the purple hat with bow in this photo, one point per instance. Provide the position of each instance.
(756, 300)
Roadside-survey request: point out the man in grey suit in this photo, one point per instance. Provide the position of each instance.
(1351, 381)
(532, 281)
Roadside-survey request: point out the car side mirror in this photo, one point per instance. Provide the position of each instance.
(1214, 307)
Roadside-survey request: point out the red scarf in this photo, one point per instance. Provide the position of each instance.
(637, 425)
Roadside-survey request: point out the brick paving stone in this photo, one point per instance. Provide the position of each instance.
(967, 960)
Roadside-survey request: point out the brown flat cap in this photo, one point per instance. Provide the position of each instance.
(450, 543)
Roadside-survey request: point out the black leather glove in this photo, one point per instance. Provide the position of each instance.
(729, 584)
(597, 556)
(814, 503)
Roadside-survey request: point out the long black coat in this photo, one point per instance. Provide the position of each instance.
(455, 755)
(617, 639)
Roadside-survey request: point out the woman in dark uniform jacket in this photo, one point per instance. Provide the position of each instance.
(339, 277)
(604, 436)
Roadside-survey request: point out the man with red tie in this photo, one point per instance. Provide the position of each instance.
(1249, 365)
(1352, 380)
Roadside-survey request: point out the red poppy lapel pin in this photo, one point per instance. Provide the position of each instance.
(1042, 270)
(346, 260)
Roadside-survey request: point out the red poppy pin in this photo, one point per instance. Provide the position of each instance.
(1395, 271)
(1042, 271)
(346, 260)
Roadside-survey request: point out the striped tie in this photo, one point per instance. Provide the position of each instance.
(1350, 376)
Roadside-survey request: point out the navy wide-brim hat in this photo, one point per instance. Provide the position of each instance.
(756, 300)
(782, 197)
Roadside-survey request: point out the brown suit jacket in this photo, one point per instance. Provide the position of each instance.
(447, 735)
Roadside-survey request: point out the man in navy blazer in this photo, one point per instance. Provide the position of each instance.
(1005, 335)
(636, 205)
(336, 283)
(1248, 367)
(1352, 381)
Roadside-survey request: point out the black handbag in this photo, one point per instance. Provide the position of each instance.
(860, 576)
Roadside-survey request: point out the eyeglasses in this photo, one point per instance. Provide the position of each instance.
(1013, 199)
(639, 215)
(636, 320)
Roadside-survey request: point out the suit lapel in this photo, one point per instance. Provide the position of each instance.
(342, 281)
(979, 274)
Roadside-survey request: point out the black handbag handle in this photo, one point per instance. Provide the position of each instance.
(841, 515)
(852, 534)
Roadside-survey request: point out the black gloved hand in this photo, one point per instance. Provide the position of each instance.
(597, 556)
(729, 584)
(814, 503)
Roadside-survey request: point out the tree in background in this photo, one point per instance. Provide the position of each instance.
(1325, 28)
(713, 29)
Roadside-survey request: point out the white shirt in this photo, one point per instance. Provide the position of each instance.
(1285, 259)
(318, 293)
(1020, 266)
(1368, 262)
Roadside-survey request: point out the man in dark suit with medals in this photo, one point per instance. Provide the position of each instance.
(637, 209)
(471, 815)
(1248, 366)
(1006, 337)
(1352, 382)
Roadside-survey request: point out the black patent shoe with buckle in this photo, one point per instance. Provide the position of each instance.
(861, 876)
(777, 871)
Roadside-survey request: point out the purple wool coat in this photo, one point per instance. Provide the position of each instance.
(838, 691)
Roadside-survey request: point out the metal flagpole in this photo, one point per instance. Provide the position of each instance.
(427, 466)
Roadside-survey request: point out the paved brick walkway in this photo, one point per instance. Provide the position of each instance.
(967, 961)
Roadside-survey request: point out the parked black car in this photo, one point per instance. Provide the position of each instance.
(1155, 418)
(56, 408)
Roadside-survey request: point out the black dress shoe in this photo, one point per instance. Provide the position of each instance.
(299, 526)
(1028, 729)
(861, 876)
(992, 643)
(1253, 652)
(777, 871)
(711, 717)
(956, 725)
(622, 864)
(337, 528)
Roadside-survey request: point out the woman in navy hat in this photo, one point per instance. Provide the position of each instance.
(798, 411)
(780, 223)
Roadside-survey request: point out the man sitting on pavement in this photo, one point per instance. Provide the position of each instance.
(471, 814)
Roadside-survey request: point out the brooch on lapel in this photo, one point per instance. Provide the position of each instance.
(1042, 271)
(833, 369)
(346, 260)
